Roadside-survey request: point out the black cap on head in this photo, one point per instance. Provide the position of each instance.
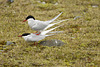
(25, 34)
(30, 17)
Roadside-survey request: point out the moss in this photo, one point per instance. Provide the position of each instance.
(81, 36)
(47, 6)
(49, 1)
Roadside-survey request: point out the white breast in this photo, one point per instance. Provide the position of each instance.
(33, 37)
(31, 23)
(37, 25)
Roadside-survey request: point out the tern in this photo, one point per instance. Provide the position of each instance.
(38, 25)
(31, 37)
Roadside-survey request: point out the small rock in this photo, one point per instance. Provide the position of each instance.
(10, 1)
(94, 5)
(77, 17)
(9, 43)
(73, 37)
(43, 2)
(56, 3)
(52, 43)
(39, 1)
(1, 50)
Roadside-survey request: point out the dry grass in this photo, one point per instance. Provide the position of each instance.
(82, 36)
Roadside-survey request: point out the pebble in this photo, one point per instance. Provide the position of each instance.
(10, 1)
(9, 43)
(53, 42)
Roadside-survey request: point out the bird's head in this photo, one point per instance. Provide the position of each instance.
(29, 17)
(23, 35)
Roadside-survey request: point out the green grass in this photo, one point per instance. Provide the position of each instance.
(82, 36)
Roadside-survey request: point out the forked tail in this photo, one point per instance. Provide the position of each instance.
(54, 18)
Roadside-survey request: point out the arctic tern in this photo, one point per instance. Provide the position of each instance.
(31, 37)
(38, 25)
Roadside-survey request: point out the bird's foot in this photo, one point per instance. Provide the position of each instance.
(35, 43)
(38, 33)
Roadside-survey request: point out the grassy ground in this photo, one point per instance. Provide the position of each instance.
(82, 36)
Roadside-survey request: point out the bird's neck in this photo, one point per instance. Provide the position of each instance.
(31, 22)
(25, 38)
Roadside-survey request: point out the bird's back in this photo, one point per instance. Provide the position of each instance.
(37, 25)
(34, 37)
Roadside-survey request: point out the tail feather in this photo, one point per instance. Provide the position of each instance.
(50, 25)
(47, 31)
(53, 33)
(56, 32)
(49, 35)
(54, 18)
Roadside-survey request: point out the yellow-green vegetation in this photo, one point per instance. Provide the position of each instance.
(81, 36)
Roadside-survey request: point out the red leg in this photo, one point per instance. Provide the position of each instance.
(35, 43)
(38, 33)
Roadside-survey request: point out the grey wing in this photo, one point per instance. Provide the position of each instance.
(39, 26)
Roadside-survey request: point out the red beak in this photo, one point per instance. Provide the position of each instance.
(24, 20)
(20, 36)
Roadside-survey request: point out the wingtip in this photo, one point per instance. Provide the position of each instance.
(61, 12)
